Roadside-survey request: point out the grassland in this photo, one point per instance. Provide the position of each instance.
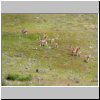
(22, 55)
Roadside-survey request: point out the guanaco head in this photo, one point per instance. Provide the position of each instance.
(77, 49)
(45, 36)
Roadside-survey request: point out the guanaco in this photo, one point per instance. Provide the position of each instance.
(43, 42)
(45, 36)
(24, 31)
(56, 45)
(75, 51)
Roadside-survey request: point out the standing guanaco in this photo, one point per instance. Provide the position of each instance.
(76, 51)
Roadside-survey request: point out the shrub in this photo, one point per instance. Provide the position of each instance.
(18, 77)
(12, 77)
(25, 78)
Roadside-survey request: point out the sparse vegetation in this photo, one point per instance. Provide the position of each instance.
(3, 83)
(25, 78)
(22, 54)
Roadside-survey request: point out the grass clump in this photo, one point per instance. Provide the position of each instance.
(12, 77)
(25, 78)
(18, 77)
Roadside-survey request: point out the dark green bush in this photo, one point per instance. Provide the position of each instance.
(12, 77)
(18, 77)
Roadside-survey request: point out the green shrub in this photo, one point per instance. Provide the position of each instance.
(12, 77)
(25, 78)
(18, 77)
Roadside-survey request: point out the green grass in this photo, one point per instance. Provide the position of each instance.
(20, 59)
(14, 77)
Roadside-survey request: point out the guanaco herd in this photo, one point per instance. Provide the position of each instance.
(44, 42)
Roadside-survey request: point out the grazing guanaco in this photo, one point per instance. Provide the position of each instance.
(56, 45)
(24, 31)
(76, 51)
(43, 42)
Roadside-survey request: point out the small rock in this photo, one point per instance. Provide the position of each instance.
(38, 79)
(95, 79)
(37, 17)
(37, 70)
(26, 68)
(90, 47)
(68, 84)
(31, 82)
(42, 70)
(77, 81)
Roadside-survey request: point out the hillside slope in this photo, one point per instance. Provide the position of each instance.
(25, 62)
